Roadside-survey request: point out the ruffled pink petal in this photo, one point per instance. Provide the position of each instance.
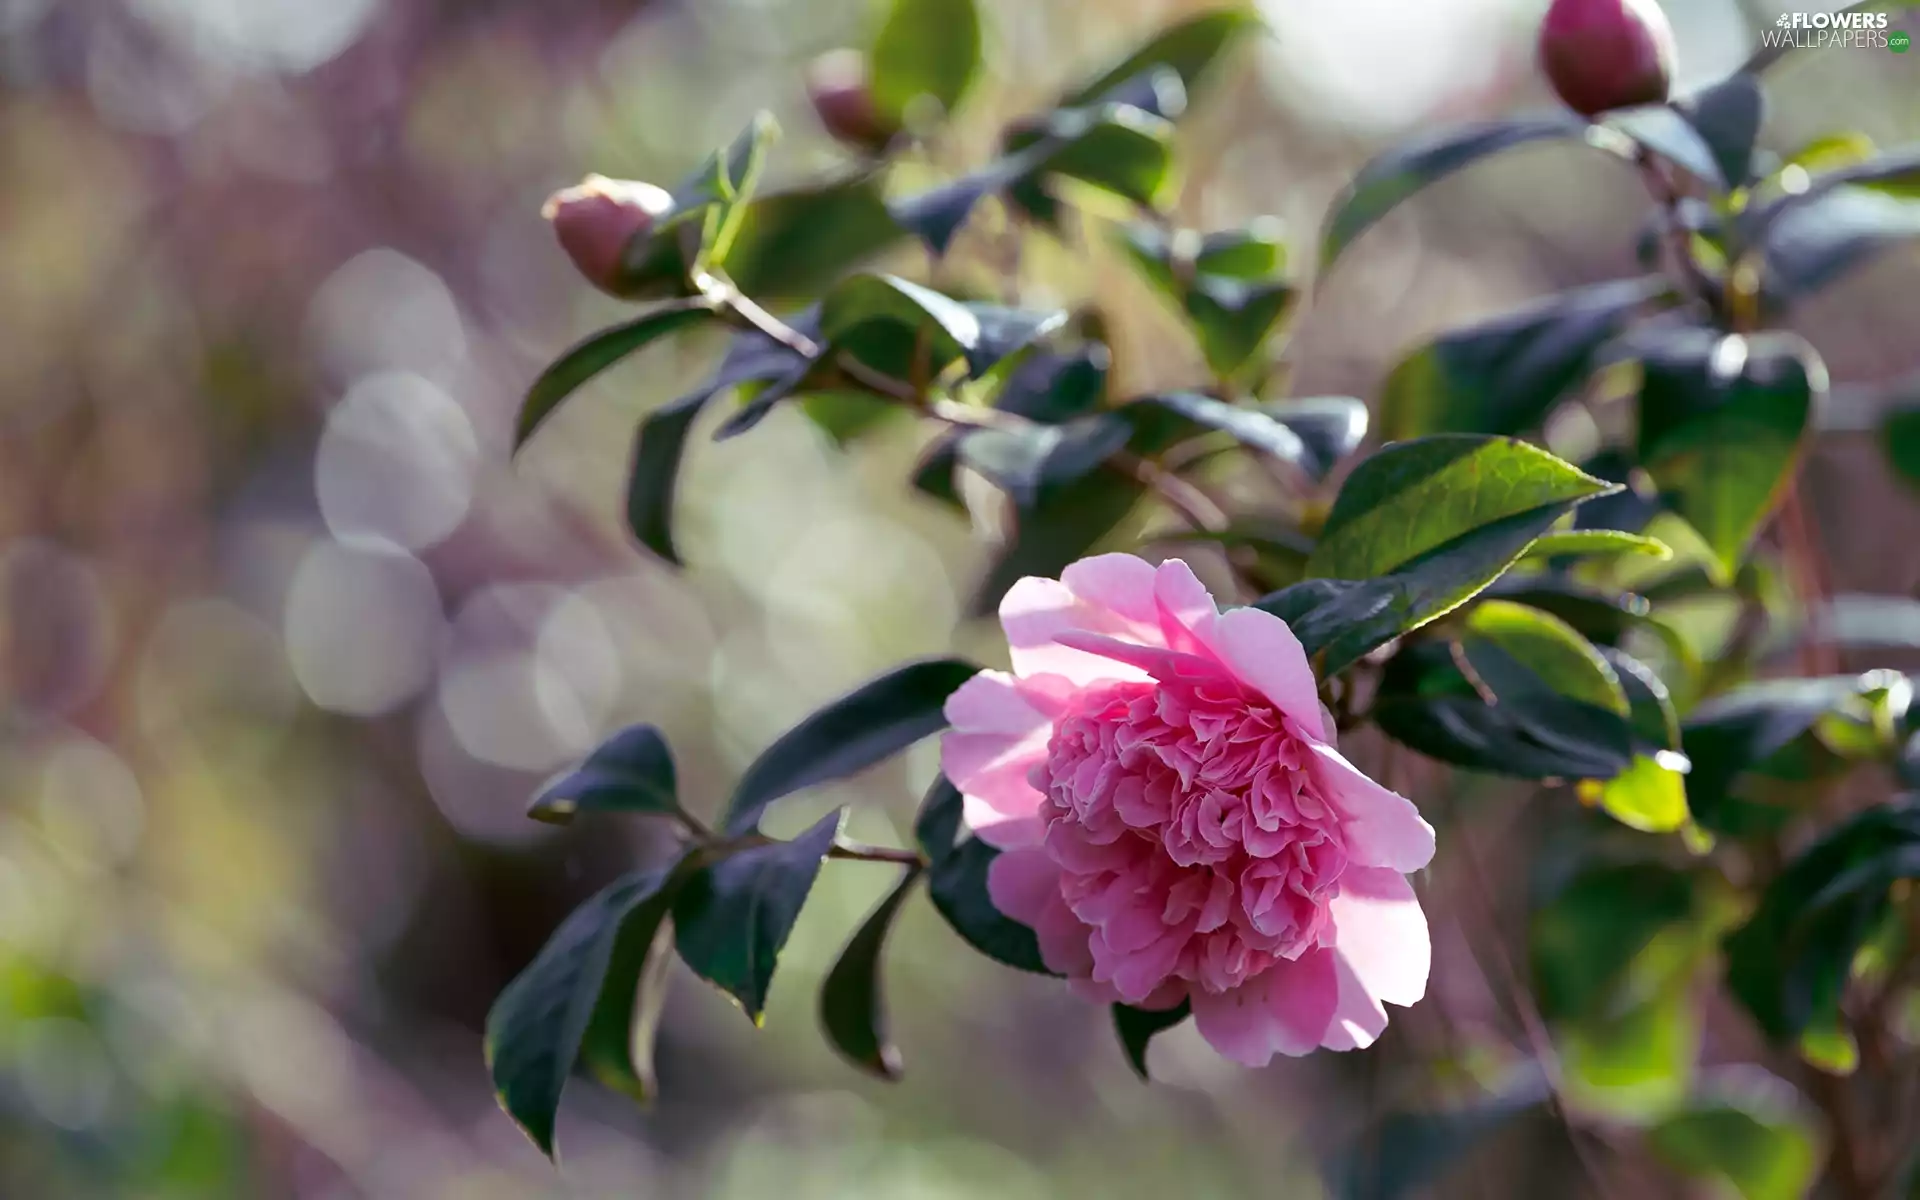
(1187, 610)
(1382, 935)
(992, 702)
(1063, 939)
(992, 767)
(1358, 1018)
(1283, 1010)
(1264, 654)
(1035, 611)
(1120, 583)
(1382, 828)
(997, 829)
(1021, 883)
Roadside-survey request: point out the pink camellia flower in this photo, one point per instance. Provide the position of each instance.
(596, 218)
(1174, 820)
(1605, 54)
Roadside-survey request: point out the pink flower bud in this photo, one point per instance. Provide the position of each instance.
(596, 219)
(1605, 54)
(842, 95)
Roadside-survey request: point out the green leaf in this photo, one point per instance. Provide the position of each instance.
(925, 48)
(957, 884)
(1732, 734)
(1224, 283)
(1813, 244)
(1652, 715)
(1189, 48)
(1412, 498)
(1721, 421)
(1331, 427)
(1517, 727)
(629, 772)
(1582, 941)
(794, 244)
(1044, 386)
(1406, 1152)
(1650, 795)
(1667, 132)
(733, 917)
(1026, 462)
(980, 334)
(869, 724)
(536, 1026)
(708, 208)
(1728, 117)
(617, 1050)
(1401, 172)
(936, 215)
(1251, 427)
(1760, 1151)
(1598, 543)
(1551, 649)
(657, 447)
(1121, 149)
(1789, 964)
(851, 1008)
(1900, 438)
(596, 354)
(1135, 1027)
(1634, 1062)
(1504, 376)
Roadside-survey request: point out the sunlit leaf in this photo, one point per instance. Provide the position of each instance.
(925, 48)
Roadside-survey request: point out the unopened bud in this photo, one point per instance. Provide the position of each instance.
(598, 217)
(842, 95)
(1607, 54)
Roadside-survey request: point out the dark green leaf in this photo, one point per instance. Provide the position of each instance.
(1342, 620)
(1789, 963)
(1812, 244)
(1549, 649)
(1669, 134)
(1118, 148)
(1763, 1152)
(1721, 420)
(926, 48)
(764, 396)
(1033, 460)
(1728, 117)
(1504, 376)
(957, 883)
(657, 447)
(1331, 426)
(1250, 427)
(1582, 940)
(535, 1028)
(983, 334)
(630, 772)
(1189, 48)
(596, 354)
(794, 244)
(617, 1050)
(1737, 732)
(1900, 437)
(733, 917)
(937, 214)
(1407, 1152)
(1413, 497)
(861, 728)
(1652, 714)
(1399, 173)
(851, 1009)
(1135, 1027)
(1044, 386)
(1232, 319)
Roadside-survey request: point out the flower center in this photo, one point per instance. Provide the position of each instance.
(1190, 832)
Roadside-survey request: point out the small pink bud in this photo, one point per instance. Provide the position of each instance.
(842, 95)
(1605, 54)
(596, 219)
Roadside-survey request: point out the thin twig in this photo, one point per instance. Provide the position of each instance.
(1674, 231)
(861, 852)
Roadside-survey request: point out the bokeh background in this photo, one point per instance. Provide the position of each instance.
(286, 640)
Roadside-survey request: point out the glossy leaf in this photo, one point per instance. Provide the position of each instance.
(982, 334)
(1598, 543)
(1650, 795)
(1790, 962)
(852, 1010)
(732, 918)
(1734, 733)
(630, 772)
(1650, 704)
(1250, 427)
(869, 724)
(1728, 117)
(794, 244)
(1189, 48)
(957, 884)
(1411, 498)
(937, 214)
(1504, 376)
(1044, 386)
(1721, 421)
(926, 48)
(1331, 426)
(1025, 462)
(655, 469)
(536, 1026)
(594, 355)
(1382, 184)
(1549, 648)
(1136, 1027)
(1669, 134)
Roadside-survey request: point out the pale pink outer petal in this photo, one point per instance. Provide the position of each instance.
(1187, 610)
(998, 736)
(1035, 610)
(1025, 886)
(1122, 584)
(1382, 935)
(1358, 1018)
(1259, 648)
(1286, 1009)
(1382, 828)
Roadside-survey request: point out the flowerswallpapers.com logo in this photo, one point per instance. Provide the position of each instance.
(1851, 30)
